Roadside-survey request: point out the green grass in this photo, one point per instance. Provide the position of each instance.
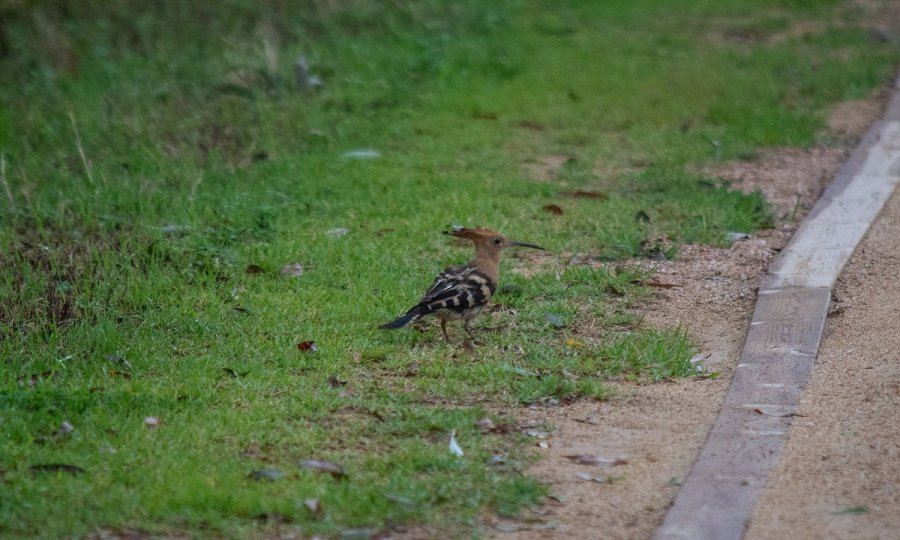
(153, 154)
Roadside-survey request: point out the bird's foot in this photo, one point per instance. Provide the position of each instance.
(468, 348)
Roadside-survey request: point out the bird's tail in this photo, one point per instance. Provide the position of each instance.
(411, 316)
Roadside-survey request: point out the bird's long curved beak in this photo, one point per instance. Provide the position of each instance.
(525, 244)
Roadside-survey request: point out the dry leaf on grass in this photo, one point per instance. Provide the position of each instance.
(293, 269)
(595, 461)
(582, 194)
(454, 445)
(333, 469)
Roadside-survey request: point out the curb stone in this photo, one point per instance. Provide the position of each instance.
(718, 496)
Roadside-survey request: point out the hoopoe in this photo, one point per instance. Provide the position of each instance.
(462, 292)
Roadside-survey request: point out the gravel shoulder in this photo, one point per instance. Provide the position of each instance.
(659, 429)
(839, 476)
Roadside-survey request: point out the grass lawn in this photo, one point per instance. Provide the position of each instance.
(163, 162)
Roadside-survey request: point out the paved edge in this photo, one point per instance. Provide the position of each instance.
(719, 495)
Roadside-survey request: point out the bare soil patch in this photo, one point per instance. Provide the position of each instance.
(659, 429)
(545, 168)
(851, 118)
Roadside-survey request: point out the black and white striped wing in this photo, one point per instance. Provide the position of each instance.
(459, 289)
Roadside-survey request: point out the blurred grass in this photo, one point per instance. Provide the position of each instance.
(153, 152)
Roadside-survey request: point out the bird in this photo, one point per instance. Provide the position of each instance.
(462, 292)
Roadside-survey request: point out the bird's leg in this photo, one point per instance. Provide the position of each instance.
(444, 330)
(469, 330)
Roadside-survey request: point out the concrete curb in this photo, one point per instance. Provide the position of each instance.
(720, 493)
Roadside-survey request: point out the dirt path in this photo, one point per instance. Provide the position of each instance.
(660, 429)
(839, 476)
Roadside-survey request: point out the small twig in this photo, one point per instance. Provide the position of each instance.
(84, 159)
(9, 195)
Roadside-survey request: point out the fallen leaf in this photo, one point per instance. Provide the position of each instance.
(595, 461)
(152, 422)
(253, 269)
(518, 370)
(485, 425)
(337, 232)
(591, 478)
(555, 320)
(699, 357)
(543, 444)
(333, 469)
(735, 236)
(304, 77)
(777, 415)
(554, 209)
(585, 195)
(57, 468)
(293, 269)
(65, 428)
(454, 446)
(574, 343)
(269, 475)
(308, 346)
(313, 506)
(537, 433)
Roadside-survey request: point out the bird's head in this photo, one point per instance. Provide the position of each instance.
(487, 240)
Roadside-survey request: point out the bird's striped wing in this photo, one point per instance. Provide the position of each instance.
(458, 288)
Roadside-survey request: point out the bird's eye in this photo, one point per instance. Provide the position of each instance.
(496, 241)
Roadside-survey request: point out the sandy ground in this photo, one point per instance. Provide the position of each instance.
(839, 476)
(846, 454)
